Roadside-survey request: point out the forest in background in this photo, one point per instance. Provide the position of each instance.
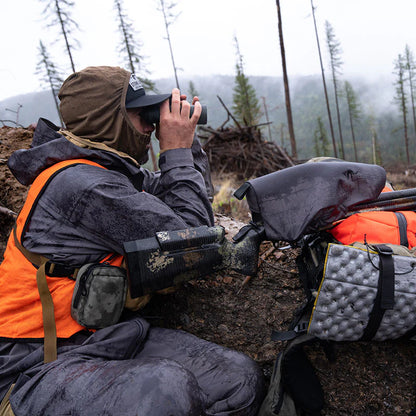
(332, 115)
(379, 113)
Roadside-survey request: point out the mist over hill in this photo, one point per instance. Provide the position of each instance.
(378, 111)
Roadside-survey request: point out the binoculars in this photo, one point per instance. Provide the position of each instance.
(151, 114)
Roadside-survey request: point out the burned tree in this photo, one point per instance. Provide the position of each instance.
(402, 99)
(411, 75)
(166, 7)
(334, 49)
(58, 11)
(49, 75)
(129, 46)
(286, 83)
(328, 107)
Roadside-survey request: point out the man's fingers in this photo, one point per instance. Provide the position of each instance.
(197, 112)
(176, 101)
(164, 108)
(186, 109)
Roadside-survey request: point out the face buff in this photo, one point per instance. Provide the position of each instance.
(92, 104)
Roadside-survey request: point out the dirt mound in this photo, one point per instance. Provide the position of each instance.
(12, 193)
(366, 378)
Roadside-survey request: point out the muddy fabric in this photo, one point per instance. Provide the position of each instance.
(131, 370)
(102, 208)
(85, 213)
(92, 104)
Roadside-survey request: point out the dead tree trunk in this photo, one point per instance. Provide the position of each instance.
(331, 127)
(286, 84)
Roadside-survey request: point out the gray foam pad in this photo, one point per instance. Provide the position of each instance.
(348, 291)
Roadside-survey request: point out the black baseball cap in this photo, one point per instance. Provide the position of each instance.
(136, 95)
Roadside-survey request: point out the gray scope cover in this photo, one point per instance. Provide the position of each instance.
(303, 199)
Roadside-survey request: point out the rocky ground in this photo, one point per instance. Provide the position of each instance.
(365, 379)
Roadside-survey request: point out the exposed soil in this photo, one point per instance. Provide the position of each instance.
(366, 378)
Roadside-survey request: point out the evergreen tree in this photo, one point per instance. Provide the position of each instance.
(129, 47)
(321, 142)
(411, 75)
(192, 92)
(353, 112)
(334, 49)
(49, 75)
(375, 146)
(246, 104)
(166, 7)
(58, 12)
(401, 98)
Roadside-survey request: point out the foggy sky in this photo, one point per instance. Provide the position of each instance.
(372, 33)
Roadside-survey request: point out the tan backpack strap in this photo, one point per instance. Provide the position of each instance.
(48, 314)
(5, 407)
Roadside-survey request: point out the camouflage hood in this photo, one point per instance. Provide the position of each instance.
(93, 107)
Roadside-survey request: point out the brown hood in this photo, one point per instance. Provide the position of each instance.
(93, 107)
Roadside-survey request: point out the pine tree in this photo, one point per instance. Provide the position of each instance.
(166, 7)
(49, 75)
(192, 92)
(334, 49)
(401, 98)
(375, 147)
(410, 65)
(58, 12)
(129, 47)
(246, 105)
(321, 142)
(354, 111)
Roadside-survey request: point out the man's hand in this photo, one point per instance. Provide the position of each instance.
(176, 129)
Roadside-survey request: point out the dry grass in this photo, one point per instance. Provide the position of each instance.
(226, 204)
(402, 180)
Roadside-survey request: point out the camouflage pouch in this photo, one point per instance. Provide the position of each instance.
(99, 295)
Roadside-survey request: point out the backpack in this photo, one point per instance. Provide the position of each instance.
(359, 278)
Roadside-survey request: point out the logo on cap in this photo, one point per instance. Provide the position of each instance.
(135, 83)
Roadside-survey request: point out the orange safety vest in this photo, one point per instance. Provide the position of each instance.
(20, 304)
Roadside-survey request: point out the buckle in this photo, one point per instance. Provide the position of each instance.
(58, 270)
(383, 249)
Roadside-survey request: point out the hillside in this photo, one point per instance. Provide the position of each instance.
(367, 379)
(375, 96)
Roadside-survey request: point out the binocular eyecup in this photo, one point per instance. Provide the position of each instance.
(151, 114)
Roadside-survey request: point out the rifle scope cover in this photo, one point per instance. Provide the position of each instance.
(307, 198)
(171, 257)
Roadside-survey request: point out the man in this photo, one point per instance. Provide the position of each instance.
(88, 196)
